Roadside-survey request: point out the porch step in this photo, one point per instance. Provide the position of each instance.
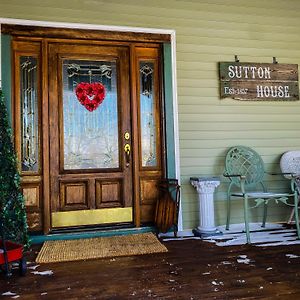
(38, 239)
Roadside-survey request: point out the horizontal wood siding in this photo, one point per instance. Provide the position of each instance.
(207, 32)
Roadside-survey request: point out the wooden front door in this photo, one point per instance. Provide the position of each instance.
(84, 160)
(90, 137)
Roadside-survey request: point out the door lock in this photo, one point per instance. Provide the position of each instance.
(127, 152)
(127, 136)
(127, 149)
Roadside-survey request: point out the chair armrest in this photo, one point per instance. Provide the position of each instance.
(287, 175)
(293, 175)
(234, 175)
(283, 174)
(242, 180)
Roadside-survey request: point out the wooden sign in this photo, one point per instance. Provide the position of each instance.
(253, 81)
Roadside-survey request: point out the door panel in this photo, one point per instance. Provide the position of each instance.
(108, 193)
(74, 195)
(89, 170)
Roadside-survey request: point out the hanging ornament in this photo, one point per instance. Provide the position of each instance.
(90, 95)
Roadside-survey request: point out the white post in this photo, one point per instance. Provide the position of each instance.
(205, 188)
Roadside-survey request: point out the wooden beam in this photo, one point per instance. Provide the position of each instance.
(53, 32)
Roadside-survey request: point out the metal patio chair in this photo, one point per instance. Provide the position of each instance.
(245, 169)
(290, 167)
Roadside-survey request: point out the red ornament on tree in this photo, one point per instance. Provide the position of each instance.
(90, 95)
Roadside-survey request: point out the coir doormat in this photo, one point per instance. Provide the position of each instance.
(100, 247)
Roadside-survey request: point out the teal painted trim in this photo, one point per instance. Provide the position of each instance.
(169, 117)
(38, 239)
(6, 71)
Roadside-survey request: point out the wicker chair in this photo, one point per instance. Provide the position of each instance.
(245, 169)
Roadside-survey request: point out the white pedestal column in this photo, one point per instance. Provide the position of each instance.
(205, 188)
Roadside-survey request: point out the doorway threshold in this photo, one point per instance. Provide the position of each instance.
(38, 239)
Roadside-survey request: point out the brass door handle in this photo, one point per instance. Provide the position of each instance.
(127, 149)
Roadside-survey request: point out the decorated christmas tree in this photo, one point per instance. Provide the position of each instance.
(13, 223)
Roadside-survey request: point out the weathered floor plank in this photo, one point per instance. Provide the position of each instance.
(192, 269)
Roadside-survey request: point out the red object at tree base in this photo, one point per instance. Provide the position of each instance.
(12, 252)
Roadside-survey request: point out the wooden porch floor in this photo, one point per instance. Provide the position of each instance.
(192, 269)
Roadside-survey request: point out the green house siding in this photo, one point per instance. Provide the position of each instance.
(168, 95)
(207, 32)
(6, 69)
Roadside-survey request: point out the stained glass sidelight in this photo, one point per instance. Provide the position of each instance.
(90, 137)
(29, 114)
(147, 114)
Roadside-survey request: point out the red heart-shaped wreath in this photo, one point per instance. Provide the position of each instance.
(90, 95)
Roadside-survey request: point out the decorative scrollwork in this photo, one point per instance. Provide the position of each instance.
(74, 69)
(260, 201)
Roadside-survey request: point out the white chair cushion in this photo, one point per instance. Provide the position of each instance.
(290, 163)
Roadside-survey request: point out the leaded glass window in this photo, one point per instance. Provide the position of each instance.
(147, 114)
(90, 136)
(29, 114)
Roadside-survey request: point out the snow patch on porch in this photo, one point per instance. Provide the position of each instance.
(271, 235)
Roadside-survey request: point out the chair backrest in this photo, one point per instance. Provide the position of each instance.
(290, 163)
(241, 160)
